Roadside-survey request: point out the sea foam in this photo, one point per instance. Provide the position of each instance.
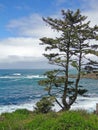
(83, 103)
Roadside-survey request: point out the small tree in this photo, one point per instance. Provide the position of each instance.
(44, 105)
(68, 49)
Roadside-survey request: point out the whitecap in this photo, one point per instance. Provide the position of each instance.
(88, 104)
(34, 76)
(16, 74)
(19, 76)
(11, 108)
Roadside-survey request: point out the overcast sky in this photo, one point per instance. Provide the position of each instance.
(21, 27)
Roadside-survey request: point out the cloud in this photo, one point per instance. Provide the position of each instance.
(32, 26)
(20, 49)
(92, 16)
(42, 64)
(91, 11)
(25, 47)
(91, 5)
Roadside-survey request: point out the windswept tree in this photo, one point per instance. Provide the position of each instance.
(67, 49)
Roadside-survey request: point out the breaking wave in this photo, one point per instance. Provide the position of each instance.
(20, 76)
(83, 103)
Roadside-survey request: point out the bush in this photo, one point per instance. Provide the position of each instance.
(44, 105)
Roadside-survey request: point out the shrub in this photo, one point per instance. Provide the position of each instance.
(44, 105)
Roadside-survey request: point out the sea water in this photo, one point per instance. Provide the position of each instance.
(19, 89)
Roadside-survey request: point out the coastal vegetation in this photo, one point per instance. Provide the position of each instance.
(44, 105)
(27, 120)
(71, 48)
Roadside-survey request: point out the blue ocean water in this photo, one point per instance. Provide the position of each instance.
(20, 89)
(19, 86)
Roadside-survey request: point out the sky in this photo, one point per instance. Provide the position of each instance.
(21, 27)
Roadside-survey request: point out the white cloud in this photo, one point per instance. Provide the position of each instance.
(16, 49)
(91, 11)
(92, 16)
(91, 5)
(32, 26)
(25, 47)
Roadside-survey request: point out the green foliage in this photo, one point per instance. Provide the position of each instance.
(15, 120)
(74, 64)
(71, 120)
(44, 105)
(70, 48)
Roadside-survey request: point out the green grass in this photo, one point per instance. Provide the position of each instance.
(26, 120)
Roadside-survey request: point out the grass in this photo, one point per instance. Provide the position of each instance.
(26, 120)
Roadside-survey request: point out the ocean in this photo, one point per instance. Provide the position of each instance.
(19, 89)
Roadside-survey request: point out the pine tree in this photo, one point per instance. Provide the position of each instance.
(68, 49)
